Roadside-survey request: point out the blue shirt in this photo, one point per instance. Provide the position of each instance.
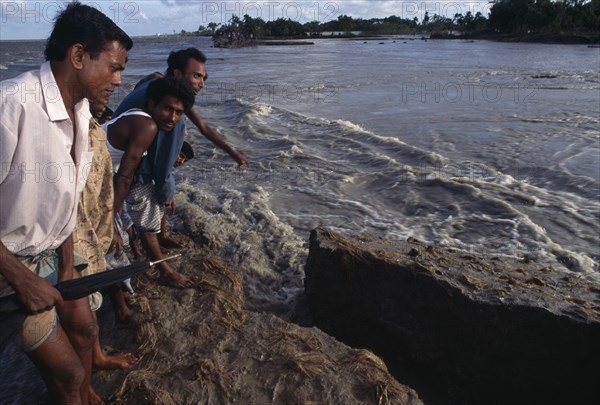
(157, 165)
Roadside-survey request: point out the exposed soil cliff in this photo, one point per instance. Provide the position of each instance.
(458, 328)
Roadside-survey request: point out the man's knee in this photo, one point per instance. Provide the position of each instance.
(83, 334)
(80, 325)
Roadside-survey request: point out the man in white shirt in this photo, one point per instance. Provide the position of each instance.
(44, 158)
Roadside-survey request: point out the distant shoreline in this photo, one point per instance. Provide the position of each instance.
(561, 39)
(558, 39)
(574, 39)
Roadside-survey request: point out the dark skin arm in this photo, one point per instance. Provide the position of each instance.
(65, 260)
(207, 131)
(134, 134)
(35, 294)
(214, 137)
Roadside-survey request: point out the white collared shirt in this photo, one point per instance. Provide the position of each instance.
(40, 185)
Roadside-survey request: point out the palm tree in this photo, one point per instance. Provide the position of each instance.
(212, 26)
(234, 22)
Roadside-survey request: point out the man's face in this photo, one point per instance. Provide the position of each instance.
(181, 159)
(167, 113)
(194, 75)
(99, 77)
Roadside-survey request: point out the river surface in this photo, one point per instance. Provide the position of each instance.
(492, 148)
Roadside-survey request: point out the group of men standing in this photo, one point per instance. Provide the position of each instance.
(63, 177)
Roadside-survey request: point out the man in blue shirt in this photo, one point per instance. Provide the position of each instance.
(188, 65)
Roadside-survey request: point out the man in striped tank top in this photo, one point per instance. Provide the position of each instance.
(129, 136)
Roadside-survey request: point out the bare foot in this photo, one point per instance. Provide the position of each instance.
(134, 318)
(94, 398)
(119, 361)
(151, 295)
(170, 243)
(176, 280)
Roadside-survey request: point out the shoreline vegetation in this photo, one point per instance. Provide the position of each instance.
(543, 21)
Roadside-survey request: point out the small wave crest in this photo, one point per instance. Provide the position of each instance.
(260, 110)
(348, 125)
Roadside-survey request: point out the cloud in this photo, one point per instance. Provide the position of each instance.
(143, 16)
(169, 3)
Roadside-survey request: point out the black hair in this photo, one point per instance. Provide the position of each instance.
(169, 86)
(179, 59)
(187, 151)
(85, 25)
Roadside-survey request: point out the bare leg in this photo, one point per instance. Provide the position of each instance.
(163, 238)
(163, 226)
(94, 398)
(168, 274)
(101, 360)
(137, 253)
(60, 367)
(82, 331)
(124, 313)
(122, 361)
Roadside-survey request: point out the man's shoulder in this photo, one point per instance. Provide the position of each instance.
(149, 78)
(135, 99)
(20, 94)
(133, 121)
(140, 120)
(133, 114)
(16, 88)
(30, 75)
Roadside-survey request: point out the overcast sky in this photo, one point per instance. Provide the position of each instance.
(28, 19)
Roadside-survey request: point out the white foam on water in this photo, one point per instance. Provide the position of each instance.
(348, 125)
(242, 229)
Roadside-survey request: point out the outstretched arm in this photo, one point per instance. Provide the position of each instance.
(214, 137)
